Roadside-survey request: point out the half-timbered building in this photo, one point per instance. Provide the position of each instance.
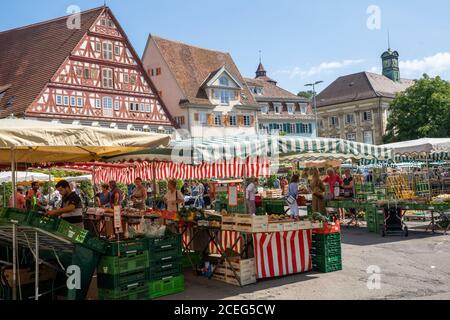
(87, 74)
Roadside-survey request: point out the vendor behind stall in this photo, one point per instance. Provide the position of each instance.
(103, 198)
(33, 196)
(139, 195)
(173, 198)
(71, 208)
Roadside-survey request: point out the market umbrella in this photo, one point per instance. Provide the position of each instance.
(37, 141)
(24, 176)
(30, 141)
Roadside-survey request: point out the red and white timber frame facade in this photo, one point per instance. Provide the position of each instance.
(103, 83)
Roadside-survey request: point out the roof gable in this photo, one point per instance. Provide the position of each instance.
(31, 55)
(215, 76)
(192, 67)
(360, 86)
(271, 91)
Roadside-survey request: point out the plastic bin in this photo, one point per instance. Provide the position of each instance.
(166, 287)
(71, 232)
(121, 281)
(123, 264)
(137, 293)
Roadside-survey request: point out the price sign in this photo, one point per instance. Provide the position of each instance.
(117, 218)
(232, 196)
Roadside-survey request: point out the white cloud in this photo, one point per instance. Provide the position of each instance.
(433, 65)
(323, 67)
(376, 70)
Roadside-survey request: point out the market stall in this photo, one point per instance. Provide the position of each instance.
(26, 141)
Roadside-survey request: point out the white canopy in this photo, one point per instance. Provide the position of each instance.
(24, 176)
(38, 141)
(427, 148)
(79, 178)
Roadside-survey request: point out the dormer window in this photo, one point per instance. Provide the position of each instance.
(224, 81)
(225, 96)
(264, 109)
(290, 108)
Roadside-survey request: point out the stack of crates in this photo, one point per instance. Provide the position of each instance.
(122, 272)
(165, 273)
(327, 252)
(274, 206)
(375, 219)
(365, 191)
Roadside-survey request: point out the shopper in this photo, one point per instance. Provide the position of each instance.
(318, 192)
(348, 193)
(283, 184)
(200, 194)
(71, 209)
(116, 195)
(276, 183)
(333, 180)
(139, 195)
(250, 196)
(103, 198)
(292, 196)
(173, 198)
(20, 199)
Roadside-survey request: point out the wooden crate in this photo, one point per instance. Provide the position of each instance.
(251, 224)
(245, 270)
(275, 227)
(273, 193)
(304, 225)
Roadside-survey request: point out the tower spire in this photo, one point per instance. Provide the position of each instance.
(260, 56)
(389, 40)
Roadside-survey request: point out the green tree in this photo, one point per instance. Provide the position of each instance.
(422, 111)
(306, 94)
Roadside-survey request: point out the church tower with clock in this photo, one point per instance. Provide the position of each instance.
(391, 67)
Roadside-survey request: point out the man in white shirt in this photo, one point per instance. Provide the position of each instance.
(250, 194)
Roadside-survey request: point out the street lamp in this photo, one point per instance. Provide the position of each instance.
(313, 85)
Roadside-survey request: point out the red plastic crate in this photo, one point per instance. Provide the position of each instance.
(329, 227)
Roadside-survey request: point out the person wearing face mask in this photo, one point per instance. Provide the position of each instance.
(71, 207)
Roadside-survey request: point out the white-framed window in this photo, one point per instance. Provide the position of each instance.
(351, 136)
(303, 108)
(66, 100)
(350, 118)
(107, 103)
(293, 128)
(291, 108)
(107, 50)
(98, 46)
(225, 96)
(117, 105)
(148, 108)
(264, 109)
(218, 119)
(233, 119)
(334, 121)
(131, 106)
(278, 108)
(107, 78)
(368, 137)
(247, 120)
(203, 119)
(117, 50)
(73, 101)
(367, 116)
(142, 107)
(224, 81)
(59, 100)
(80, 102)
(98, 103)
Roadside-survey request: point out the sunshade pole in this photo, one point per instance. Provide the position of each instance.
(154, 183)
(36, 280)
(13, 177)
(14, 257)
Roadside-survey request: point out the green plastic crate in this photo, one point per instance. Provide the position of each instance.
(325, 260)
(326, 250)
(124, 247)
(121, 281)
(332, 237)
(161, 256)
(123, 264)
(164, 244)
(96, 244)
(44, 223)
(275, 206)
(72, 232)
(165, 287)
(17, 216)
(158, 271)
(139, 293)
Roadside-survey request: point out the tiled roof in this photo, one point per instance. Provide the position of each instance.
(31, 55)
(361, 86)
(272, 91)
(191, 66)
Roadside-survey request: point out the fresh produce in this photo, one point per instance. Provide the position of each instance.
(442, 198)
(316, 216)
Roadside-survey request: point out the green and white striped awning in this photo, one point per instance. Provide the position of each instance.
(284, 147)
(276, 148)
(427, 149)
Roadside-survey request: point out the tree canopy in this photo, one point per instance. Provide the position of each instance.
(422, 111)
(306, 94)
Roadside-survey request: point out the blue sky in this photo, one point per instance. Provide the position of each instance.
(301, 41)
